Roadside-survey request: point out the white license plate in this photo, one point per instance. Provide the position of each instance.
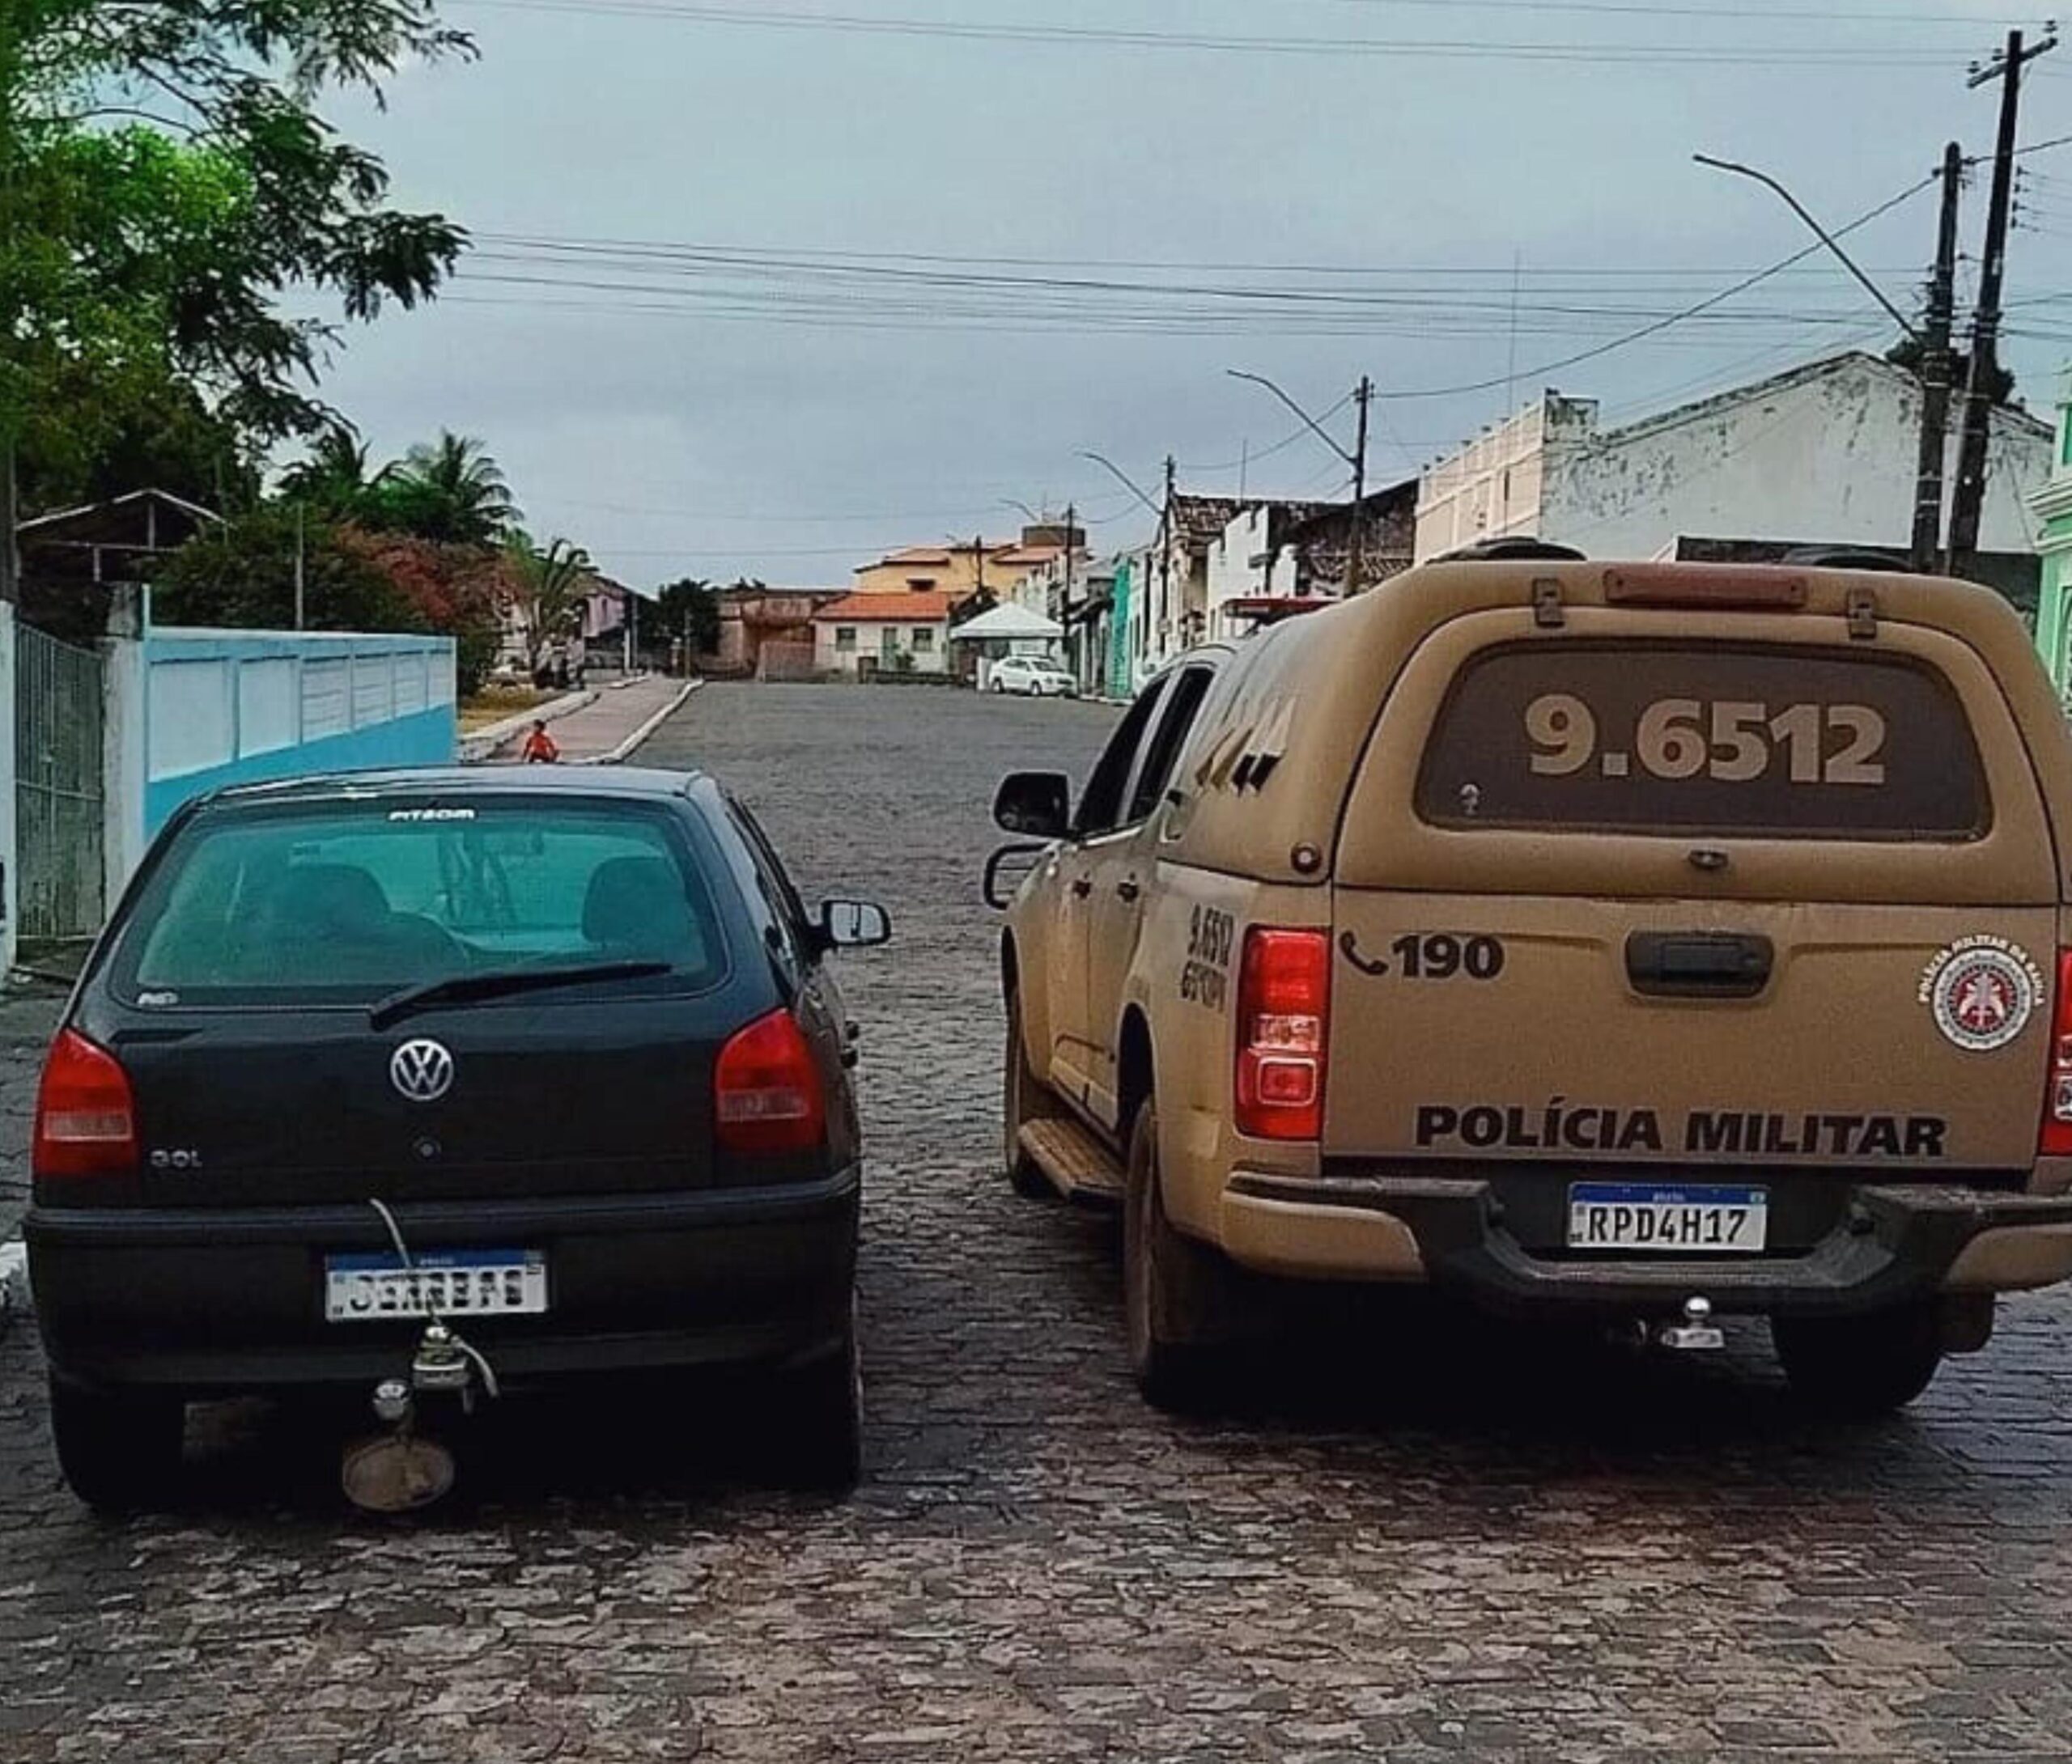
(454, 1283)
(1702, 1221)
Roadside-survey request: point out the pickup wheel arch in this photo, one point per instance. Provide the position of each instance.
(1134, 1070)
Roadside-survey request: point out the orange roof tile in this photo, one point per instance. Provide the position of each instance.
(919, 608)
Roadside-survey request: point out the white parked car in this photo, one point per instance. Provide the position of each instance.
(1032, 675)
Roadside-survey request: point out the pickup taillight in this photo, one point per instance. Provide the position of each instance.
(767, 1096)
(2055, 1140)
(86, 1117)
(1283, 1018)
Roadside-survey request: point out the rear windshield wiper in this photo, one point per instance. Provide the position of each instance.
(465, 989)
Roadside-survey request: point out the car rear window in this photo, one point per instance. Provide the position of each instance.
(349, 901)
(1652, 737)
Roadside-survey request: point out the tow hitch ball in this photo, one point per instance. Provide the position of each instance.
(1697, 1333)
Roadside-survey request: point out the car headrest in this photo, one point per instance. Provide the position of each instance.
(638, 904)
(331, 900)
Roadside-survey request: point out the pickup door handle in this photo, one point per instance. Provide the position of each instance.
(1699, 964)
(1127, 888)
(1082, 886)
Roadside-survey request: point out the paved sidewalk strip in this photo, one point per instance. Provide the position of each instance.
(605, 731)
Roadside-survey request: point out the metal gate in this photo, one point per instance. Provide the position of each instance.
(57, 768)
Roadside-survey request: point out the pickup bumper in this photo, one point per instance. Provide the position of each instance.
(1894, 1243)
(211, 1301)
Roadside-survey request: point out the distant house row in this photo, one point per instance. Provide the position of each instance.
(1825, 455)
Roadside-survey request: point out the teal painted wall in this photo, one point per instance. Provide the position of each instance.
(1120, 671)
(427, 738)
(241, 707)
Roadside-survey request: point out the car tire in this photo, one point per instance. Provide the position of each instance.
(1024, 1097)
(119, 1450)
(1860, 1368)
(1169, 1285)
(824, 1439)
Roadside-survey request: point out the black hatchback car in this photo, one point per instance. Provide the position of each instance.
(550, 1060)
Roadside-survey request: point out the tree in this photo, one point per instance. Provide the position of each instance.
(336, 479)
(242, 574)
(454, 590)
(545, 592)
(165, 179)
(689, 609)
(451, 492)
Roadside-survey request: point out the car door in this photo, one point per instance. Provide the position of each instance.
(1121, 876)
(1100, 823)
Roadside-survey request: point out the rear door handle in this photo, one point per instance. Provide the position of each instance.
(1127, 888)
(1699, 964)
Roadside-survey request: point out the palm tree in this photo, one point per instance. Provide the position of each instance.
(544, 593)
(335, 480)
(452, 492)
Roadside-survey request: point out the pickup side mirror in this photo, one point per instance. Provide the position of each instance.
(853, 925)
(1038, 805)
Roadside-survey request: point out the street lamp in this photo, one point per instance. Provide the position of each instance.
(1820, 232)
(1125, 479)
(1363, 395)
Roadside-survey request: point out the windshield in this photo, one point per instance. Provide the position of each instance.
(354, 902)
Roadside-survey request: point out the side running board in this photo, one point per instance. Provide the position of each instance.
(1079, 1166)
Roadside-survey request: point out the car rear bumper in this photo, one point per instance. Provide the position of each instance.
(1896, 1243)
(220, 1300)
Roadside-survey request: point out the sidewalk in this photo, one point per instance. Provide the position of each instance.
(612, 725)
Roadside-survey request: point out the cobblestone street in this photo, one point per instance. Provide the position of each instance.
(1410, 1538)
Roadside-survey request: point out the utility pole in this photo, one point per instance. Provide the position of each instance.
(11, 564)
(1166, 545)
(1073, 643)
(1357, 547)
(301, 570)
(1968, 503)
(1364, 396)
(1935, 365)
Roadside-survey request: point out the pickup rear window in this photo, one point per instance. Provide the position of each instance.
(1652, 737)
(348, 902)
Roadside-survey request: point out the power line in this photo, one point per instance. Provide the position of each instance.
(1691, 312)
(704, 250)
(1109, 37)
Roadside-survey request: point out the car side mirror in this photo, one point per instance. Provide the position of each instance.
(853, 925)
(1037, 805)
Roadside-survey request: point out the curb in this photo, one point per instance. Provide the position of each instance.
(14, 1280)
(619, 754)
(475, 749)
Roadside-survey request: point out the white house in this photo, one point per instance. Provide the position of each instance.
(1823, 455)
(897, 632)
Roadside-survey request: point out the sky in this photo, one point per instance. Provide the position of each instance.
(770, 288)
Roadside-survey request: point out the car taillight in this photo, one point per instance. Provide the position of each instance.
(2055, 1141)
(86, 1119)
(766, 1089)
(1284, 1009)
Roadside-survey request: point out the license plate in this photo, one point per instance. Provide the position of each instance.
(454, 1283)
(1704, 1221)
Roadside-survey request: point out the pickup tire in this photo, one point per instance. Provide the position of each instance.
(1170, 1285)
(1860, 1368)
(119, 1451)
(1023, 1098)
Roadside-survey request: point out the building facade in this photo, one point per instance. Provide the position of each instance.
(882, 631)
(1825, 455)
(2051, 505)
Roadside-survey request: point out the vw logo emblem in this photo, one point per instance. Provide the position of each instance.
(421, 1070)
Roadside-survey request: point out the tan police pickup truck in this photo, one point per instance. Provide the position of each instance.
(1644, 941)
